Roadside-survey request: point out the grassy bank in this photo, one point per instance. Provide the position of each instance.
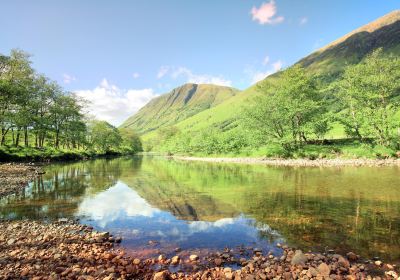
(327, 149)
(48, 154)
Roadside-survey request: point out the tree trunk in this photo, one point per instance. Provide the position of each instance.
(17, 138)
(26, 139)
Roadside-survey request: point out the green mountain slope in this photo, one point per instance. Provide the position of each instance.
(327, 62)
(177, 105)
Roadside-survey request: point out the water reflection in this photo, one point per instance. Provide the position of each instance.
(203, 205)
(117, 202)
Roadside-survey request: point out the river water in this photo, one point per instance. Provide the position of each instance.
(157, 204)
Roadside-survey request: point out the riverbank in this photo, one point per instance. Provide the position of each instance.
(47, 154)
(67, 250)
(14, 177)
(295, 162)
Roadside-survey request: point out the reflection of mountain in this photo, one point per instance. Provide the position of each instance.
(310, 207)
(159, 186)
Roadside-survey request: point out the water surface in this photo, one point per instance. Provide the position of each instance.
(200, 206)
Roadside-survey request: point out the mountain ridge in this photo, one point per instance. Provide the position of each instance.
(178, 104)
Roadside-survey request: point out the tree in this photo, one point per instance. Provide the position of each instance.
(131, 140)
(288, 110)
(104, 136)
(367, 93)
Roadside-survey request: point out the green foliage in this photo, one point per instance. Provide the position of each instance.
(104, 136)
(366, 92)
(130, 140)
(40, 112)
(290, 111)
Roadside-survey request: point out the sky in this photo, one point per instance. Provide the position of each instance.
(120, 54)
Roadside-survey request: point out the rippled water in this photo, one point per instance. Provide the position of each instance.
(208, 206)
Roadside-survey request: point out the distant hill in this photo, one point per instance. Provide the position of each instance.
(177, 105)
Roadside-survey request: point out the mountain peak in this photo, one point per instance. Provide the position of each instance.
(373, 26)
(180, 103)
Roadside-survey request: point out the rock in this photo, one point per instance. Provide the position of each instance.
(352, 257)
(11, 241)
(324, 269)
(63, 220)
(193, 258)
(136, 261)
(218, 261)
(299, 258)
(378, 263)
(162, 275)
(118, 239)
(162, 258)
(312, 272)
(175, 260)
(343, 262)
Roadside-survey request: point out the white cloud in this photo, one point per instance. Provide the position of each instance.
(265, 14)
(110, 103)
(257, 76)
(135, 75)
(199, 78)
(266, 60)
(303, 20)
(162, 71)
(67, 79)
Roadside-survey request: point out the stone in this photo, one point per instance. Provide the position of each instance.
(218, 261)
(324, 269)
(343, 262)
(175, 260)
(352, 257)
(136, 261)
(378, 263)
(162, 275)
(118, 239)
(162, 258)
(193, 258)
(299, 258)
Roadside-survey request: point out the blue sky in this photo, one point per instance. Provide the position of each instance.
(120, 54)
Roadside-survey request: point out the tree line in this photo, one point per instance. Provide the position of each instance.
(37, 112)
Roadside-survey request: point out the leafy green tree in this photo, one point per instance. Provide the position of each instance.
(131, 140)
(367, 92)
(288, 110)
(104, 136)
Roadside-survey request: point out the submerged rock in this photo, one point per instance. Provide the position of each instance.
(299, 258)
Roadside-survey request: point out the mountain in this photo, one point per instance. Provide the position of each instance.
(327, 62)
(177, 105)
(354, 46)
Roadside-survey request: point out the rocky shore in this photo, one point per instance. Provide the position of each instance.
(297, 162)
(67, 250)
(14, 177)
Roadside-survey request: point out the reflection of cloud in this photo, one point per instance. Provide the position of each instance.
(199, 226)
(115, 203)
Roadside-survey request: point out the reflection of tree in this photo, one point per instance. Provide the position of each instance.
(311, 207)
(349, 224)
(59, 192)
